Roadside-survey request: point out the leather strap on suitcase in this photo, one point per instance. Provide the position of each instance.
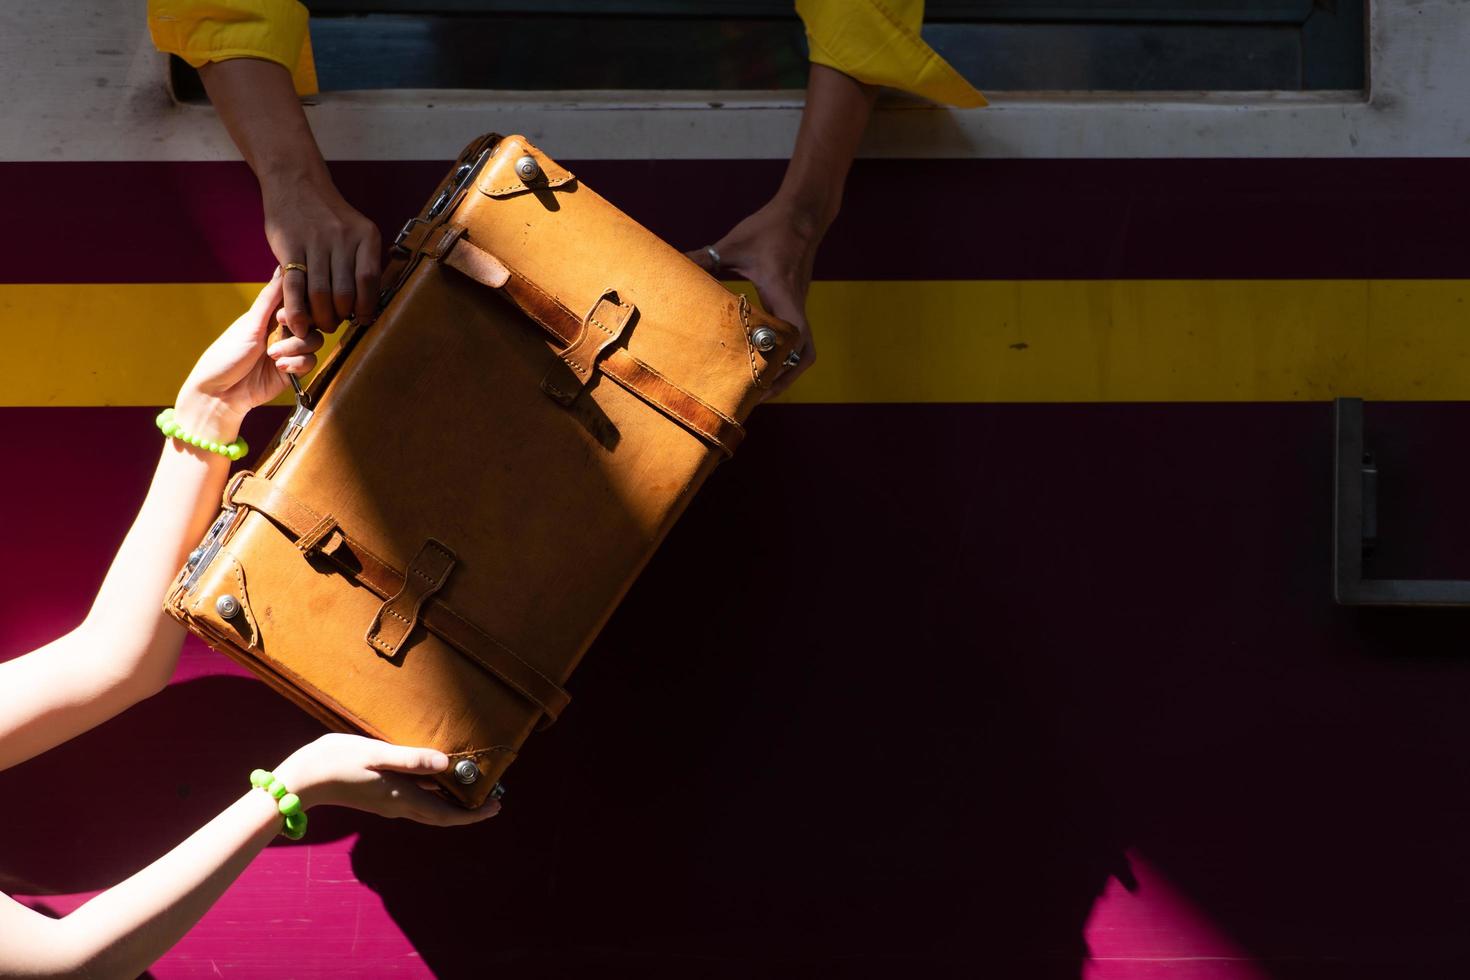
(317, 534)
(583, 340)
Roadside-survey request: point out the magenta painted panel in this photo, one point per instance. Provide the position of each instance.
(1043, 691)
(957, 219)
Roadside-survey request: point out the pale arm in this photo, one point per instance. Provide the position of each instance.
(126, 928)
(126, 648)
(123, 930)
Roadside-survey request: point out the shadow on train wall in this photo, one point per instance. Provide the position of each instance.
(915, 719)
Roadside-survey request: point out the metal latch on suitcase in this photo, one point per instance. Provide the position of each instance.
(301, 416)
(201, 556)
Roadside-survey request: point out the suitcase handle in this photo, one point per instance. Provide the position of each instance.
(572, 333)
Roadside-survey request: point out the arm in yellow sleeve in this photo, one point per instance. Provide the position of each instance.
(878, 42)
(205, 31)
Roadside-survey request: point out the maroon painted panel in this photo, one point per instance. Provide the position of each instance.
(904, 219)
(960, 664)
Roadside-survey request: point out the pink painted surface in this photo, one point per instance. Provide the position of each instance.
(879, 780)
(300, 909)
(1149, 930)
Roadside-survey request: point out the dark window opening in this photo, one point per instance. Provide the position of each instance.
(999, 45)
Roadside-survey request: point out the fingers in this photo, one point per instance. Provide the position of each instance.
(296, 355)
(403, 758)
(297, 312)
(702, 258)
(291, 345)
(268, 299)
(255, 322)
(806, 348)
(319, 288)
(369, 274)
(789, 376)
(438, 812)
(787, 301)
(344, 282)
(429, 807)
(409, 798)
(299, 366)
(416, 799)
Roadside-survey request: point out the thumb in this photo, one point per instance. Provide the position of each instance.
(403, 758)
(782, 303)
(257, 320)
(702, 258)
(268, 299)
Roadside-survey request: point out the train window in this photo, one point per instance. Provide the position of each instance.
(1000, 45)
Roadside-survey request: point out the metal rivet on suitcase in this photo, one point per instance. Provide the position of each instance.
(466, 771)
(497, 791)
(764, 339)
(227, 606)
(527, 168)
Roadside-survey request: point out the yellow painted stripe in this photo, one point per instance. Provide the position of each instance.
(110, 344)
(946, 341)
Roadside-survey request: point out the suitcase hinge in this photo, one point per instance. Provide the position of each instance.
(201, 556)
(411, 236)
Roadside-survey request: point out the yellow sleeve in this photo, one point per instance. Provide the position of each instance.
(878, 42)
(201, 31)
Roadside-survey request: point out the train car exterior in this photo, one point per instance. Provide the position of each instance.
(1034, 606)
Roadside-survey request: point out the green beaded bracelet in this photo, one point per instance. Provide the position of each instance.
(170, 427)
(288, 803)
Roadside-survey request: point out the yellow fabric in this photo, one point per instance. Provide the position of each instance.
(874, 41)
(878, 42)
(201, 31)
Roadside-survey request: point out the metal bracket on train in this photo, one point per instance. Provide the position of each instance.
(1355, 527)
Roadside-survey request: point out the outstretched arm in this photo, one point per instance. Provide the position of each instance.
(122, 931)
(126, 648)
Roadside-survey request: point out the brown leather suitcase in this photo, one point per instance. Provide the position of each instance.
(472, 482)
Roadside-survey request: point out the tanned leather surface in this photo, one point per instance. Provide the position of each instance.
(489, 466)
